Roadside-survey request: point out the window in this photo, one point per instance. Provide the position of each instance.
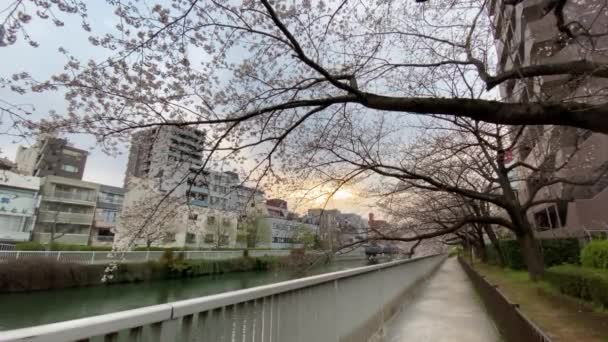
(108, 197)
(192, 217)
(226, 222)
(211, 220)
(169, 237)
(69, 168)
(547, 218)
(108, 216)
(190, 238)
(208, 238)
(71, 153)
(224, 240)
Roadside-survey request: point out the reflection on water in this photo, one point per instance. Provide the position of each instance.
(28, 309)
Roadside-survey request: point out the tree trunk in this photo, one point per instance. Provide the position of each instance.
(496, 244)
(480, 252)
(532, 254)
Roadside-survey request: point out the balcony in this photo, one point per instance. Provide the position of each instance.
(200, 189)
(77, 239)
(61, 217)
(199, 203)
(11, 235)
(65, 196)
(100, 223)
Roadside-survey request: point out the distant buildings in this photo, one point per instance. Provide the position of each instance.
(18, 205)
(168, 200)
(286, 229)
(60, 206)
(51, 156)
(338, 229)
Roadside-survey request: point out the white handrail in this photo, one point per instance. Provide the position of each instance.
(93, 257)
(327, 307)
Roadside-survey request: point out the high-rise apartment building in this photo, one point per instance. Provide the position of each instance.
(527, 35)
(51, 156)
(165, 152)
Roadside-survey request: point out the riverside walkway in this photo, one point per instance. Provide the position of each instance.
(446, 308)
(350, 305)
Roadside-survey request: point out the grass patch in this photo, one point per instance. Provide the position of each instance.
(562, 317)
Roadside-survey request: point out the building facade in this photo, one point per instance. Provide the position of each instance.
(527, 35)
(19, 200)
(109, 205)
(51, 156)
(161, 152)
(285, 229)
(150, 217)
(67, 209)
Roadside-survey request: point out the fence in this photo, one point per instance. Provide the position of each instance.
(6, 247)
(512, 323)
(342, 306)
(99, 257)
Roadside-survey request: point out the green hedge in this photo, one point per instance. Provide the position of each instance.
(590, 284)
(555, 252)
(595, 254)
(37, 246)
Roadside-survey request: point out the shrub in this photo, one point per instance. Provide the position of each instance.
(37, 246)
(454, 251)
(30, 246)
(590, 284)
(595, 254)
(555, 252)
(29, 274)
(561, 251)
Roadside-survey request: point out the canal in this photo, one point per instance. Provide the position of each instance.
(28, 309)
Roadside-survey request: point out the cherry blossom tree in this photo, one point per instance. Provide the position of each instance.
(462, 158)
(263, 76)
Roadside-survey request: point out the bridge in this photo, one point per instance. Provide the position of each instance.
(385, 302)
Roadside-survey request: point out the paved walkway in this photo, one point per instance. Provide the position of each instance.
(445, 309)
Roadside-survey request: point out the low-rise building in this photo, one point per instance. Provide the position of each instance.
(19, 201)
(66, 211)
(151, 217)
(285, 228)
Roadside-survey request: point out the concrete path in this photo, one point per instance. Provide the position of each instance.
(446, 308)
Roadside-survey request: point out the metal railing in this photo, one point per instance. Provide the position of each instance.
(65, 217)
(98, 257)
(591, 234)
(80, 196)
(6, 247)
(514, 326)
(347, 305)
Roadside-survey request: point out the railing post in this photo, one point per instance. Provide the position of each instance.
(58, 255)
(17, 255)
(92, 258)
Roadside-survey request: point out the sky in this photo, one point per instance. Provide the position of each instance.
(45, 60)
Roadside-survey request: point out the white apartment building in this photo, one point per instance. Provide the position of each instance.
(19, 201)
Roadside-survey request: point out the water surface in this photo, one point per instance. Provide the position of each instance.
(35, 308)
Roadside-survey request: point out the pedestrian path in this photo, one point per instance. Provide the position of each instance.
(445, 309)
